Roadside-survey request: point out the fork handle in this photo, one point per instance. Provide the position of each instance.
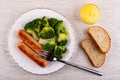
(82, 67)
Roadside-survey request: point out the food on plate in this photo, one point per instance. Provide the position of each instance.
(33, 27)
(49, 46)
(52, 21)
(49, 33)
(46, 34)
(60, 28)
(27, 39)
(62, 39)
(96, 57)
(31, 54)
(90, 13)
(98, 44)
(100, 37)
(59, 50)
(45, 21)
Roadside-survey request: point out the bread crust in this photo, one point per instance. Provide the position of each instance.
(32, 55)
(90, 35)
(92, 62)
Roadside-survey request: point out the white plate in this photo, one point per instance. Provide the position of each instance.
(21, 59)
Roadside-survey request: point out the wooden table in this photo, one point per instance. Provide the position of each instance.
(11, 10)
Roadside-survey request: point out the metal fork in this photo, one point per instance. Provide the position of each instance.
(50, 57)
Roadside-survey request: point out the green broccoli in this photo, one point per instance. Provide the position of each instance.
(44, 41)
(59, 51)
(37, 21)
(52, 21)
(45, 21)
(37, 28)
(60, 28)
(30, 30)
(62, 39)
(56, 39)
(37, 25)
(33, 28)
(51, 33)
(47, 33)
(58, 56)
(49, 46)
(64, 49)
(34, 35)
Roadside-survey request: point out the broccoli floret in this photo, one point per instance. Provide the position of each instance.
(37, 21)
(33, 28)
(33, 33)
(44, 41)
(37, 28)
(56, 39)
(62, 39)
(52, 21)
(45, 21)
(58, 56)
(60, 28)
(47, 33)
(49, 46)
(64, 49)
(59, 51)
(30, 30)
(37, 25)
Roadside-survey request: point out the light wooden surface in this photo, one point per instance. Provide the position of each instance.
(11, 10)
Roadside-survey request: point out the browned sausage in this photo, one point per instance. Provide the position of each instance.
(31, 54)
(27, 39)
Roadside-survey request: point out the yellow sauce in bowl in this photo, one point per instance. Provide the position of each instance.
(90, 13)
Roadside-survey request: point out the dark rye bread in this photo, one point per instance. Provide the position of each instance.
(96, 57)
(100, 37)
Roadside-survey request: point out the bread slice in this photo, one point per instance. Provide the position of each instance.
(100, 37)
(96, 57)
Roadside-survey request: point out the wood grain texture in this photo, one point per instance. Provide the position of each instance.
(11, 10)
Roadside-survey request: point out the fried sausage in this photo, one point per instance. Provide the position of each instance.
(31, 54)
(27, 39)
